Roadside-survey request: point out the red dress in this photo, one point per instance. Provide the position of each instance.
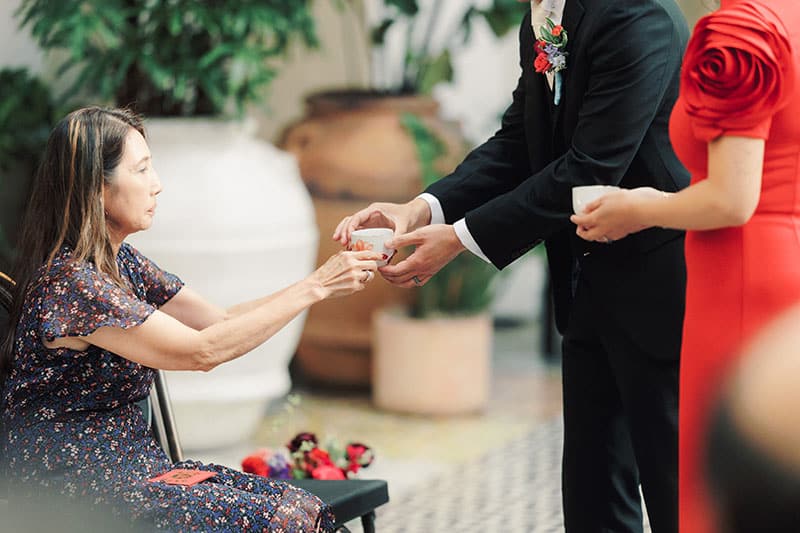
(739, 78)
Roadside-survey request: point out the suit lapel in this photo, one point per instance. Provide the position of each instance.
(573, 14)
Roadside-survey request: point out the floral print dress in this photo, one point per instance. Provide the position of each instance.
(73, 425)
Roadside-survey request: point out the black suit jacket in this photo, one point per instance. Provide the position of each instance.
(611, 127)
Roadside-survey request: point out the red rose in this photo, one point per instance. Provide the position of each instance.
(359, 454)
(299, 439)
(538, 47)
(255, 464)
(737, 71)
(556, 31)
(542, 64)
(327, 472)
(316, 458)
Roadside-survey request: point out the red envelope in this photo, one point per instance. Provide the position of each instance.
(183, 476)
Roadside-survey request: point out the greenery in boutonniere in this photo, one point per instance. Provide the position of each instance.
(466, 285)
(175, 58)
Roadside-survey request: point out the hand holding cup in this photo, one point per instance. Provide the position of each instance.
(373, 239)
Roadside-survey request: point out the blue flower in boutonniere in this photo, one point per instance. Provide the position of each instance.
(551, 58)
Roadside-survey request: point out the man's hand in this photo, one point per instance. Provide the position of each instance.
(401, 218)
(436, 245)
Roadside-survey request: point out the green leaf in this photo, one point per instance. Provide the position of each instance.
(439, 70)
(378, 34)
(177, 46)
(406, 7)
(504, 15)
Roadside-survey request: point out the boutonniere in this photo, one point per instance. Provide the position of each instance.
(551, 57)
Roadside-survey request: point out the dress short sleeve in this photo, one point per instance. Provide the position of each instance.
(77, 299)
(155, 285)
(737, 73)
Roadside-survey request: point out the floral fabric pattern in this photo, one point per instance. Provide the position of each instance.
(73, 426)
(737, 72)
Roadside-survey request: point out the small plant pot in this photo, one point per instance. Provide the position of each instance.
(431, 366)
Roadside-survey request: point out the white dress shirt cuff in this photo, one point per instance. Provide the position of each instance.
(437, 214)
(463, 234)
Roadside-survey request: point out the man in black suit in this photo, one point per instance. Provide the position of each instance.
(603, 119)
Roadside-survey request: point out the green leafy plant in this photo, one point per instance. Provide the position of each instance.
(27, 115)
(429, 41)
(466, 285)
(171, 57)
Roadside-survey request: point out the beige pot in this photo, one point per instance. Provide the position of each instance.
(437, 366)
(352, 150)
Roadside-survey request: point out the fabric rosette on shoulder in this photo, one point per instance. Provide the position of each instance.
(737, 72)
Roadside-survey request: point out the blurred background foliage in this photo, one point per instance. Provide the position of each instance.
(27, 114)
(429, 41)
(170, 57)
(466, 285)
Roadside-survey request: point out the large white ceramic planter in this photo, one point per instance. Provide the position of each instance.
(235, 222)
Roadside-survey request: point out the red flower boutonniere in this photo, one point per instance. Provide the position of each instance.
(551, 56)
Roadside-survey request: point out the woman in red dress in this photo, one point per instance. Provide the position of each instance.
(736, 127)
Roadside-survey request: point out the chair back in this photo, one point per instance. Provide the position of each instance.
(162, 420)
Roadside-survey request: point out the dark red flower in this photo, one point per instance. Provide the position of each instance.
(299, 439)
(360, 454)
(737, 71)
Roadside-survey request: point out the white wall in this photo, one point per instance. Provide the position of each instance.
(17, 49)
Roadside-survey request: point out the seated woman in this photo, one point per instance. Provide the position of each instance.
(92, 318)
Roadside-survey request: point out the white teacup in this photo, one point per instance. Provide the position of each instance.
(586, 194)
(373, 239)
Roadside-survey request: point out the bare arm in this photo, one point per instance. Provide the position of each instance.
(728, 197)
(163, 341)
(189, 308)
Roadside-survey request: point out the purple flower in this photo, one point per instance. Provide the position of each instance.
(279, 467)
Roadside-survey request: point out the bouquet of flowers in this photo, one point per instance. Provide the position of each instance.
(303, 457)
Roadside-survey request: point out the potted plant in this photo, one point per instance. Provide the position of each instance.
(353, 148)
(433, 357)
(27, 114)
(235, 219)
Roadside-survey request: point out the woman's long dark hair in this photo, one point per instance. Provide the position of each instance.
(65, 207)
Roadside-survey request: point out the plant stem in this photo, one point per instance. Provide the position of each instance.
(424, 50)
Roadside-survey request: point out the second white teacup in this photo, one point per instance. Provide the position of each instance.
(586, 194)
(373, 239)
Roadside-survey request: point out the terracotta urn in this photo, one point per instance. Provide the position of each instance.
(352, 149)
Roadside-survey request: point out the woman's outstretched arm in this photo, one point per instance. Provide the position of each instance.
(165, 342)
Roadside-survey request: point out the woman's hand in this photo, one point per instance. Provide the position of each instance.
(615, 215)
(345, 273)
